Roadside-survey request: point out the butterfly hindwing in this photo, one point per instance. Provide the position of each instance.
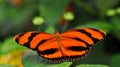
(73, 49)
(69, 50)
(51, 51)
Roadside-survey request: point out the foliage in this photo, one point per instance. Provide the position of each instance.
(115, 61)
(12, 46)
(87, 65)
(10, 52)
(5, 65)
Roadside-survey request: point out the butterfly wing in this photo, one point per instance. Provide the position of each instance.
(32, 39)
(45, 44)
(68, 46)
(89, 36)
(77, 42)
(51, 51)
(73, 49)
(71, 45)
(64, 50)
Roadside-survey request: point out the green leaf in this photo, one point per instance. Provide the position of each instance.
(116, 27)
(31, 59)
(9, 45)
(52, 10)
(84, 5)
(111, 12)
(102, 7)
(50, 29)
(90, 65)
(64, 64)
(115, 61)
(97, 24)
(6, 65)
(22, 14)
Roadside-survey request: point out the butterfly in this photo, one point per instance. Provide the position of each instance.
(69, 46)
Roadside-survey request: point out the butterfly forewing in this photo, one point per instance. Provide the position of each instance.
(89, 36)
(68, 46)
(32, 39)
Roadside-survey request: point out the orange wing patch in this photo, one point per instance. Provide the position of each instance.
(68, 46)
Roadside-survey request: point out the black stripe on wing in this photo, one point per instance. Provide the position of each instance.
(78, 39)
(41, 42)
(27, 44)
(48, 51)
(97, 30)
(77, 48)
(88, 34)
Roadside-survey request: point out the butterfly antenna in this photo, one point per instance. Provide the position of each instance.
(50, 25)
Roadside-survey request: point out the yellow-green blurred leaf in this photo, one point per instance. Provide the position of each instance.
(6, 65)
(92, 65)
(10, 45)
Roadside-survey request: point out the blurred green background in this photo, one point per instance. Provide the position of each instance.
(17, 16)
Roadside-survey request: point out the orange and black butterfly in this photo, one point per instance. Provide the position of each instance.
(68, 46)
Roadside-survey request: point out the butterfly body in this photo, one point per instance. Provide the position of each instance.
(68, 46)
